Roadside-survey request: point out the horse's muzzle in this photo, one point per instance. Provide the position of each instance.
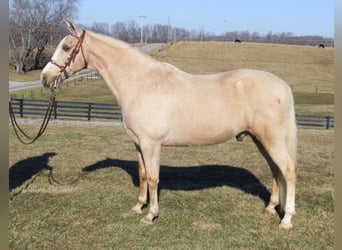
(44, 80)
(51, 82)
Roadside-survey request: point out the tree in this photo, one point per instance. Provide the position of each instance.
(244, 35)
(102, 28)
(119, 31)
(232, 35)
(133, 30)
(32, 24)
(160, 33)
(180, 34)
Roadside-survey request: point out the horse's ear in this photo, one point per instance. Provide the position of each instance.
(72, 27)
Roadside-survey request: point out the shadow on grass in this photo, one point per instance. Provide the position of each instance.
(193, 177)
(24, 170)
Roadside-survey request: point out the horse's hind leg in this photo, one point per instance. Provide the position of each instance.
(142, 196)
(289, 174)
(274, 199)
(286, 180)
(284, 173)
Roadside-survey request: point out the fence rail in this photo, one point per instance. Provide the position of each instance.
(315, 121)
(66, 109)
(91, 111)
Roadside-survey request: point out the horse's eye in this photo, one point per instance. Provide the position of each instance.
(66, 47)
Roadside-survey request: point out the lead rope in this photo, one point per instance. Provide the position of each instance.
(51, 179)
(28, 183)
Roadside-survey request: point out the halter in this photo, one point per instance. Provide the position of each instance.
(70, 58)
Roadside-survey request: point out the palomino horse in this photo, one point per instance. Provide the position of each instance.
(162, 105)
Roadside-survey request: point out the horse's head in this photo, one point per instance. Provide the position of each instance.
(67, 59)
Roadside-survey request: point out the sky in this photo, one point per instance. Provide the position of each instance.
(301, 17)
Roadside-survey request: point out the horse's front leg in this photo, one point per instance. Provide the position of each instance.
(142, 196)
(151, 156)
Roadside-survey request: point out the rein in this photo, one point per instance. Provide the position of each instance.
(18, 129)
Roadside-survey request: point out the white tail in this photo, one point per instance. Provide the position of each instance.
(291, 139)
(291, 144)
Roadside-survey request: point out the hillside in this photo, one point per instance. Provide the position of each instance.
(302, 67)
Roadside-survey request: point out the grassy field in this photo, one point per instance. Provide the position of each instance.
(210, 197)
(28, 76)
(302, 67)
(309, 71)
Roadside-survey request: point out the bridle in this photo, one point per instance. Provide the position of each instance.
(70, 58)
(51, 106)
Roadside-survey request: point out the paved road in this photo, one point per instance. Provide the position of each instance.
(149, 48)
(15, 86)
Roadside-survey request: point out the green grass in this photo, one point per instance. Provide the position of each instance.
(313, 98)
(26, 77)
(210, 197)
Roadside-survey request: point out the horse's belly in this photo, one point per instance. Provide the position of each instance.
(198, 135)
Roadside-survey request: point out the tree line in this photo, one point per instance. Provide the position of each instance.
(130, 31)
(37, 24)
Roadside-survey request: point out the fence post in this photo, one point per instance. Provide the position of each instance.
(55, 110)
(21, 107)
(89, 111)
(328, 122)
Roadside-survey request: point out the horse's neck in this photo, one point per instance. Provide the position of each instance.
(119, 64)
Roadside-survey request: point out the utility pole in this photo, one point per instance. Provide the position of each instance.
(202, 33)
(226, 21)
(168, 30)
(142, 28)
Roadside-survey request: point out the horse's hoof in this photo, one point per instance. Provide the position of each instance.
(146, 222)
(285, 226)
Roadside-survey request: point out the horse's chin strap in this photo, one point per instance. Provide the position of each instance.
(71, 58)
